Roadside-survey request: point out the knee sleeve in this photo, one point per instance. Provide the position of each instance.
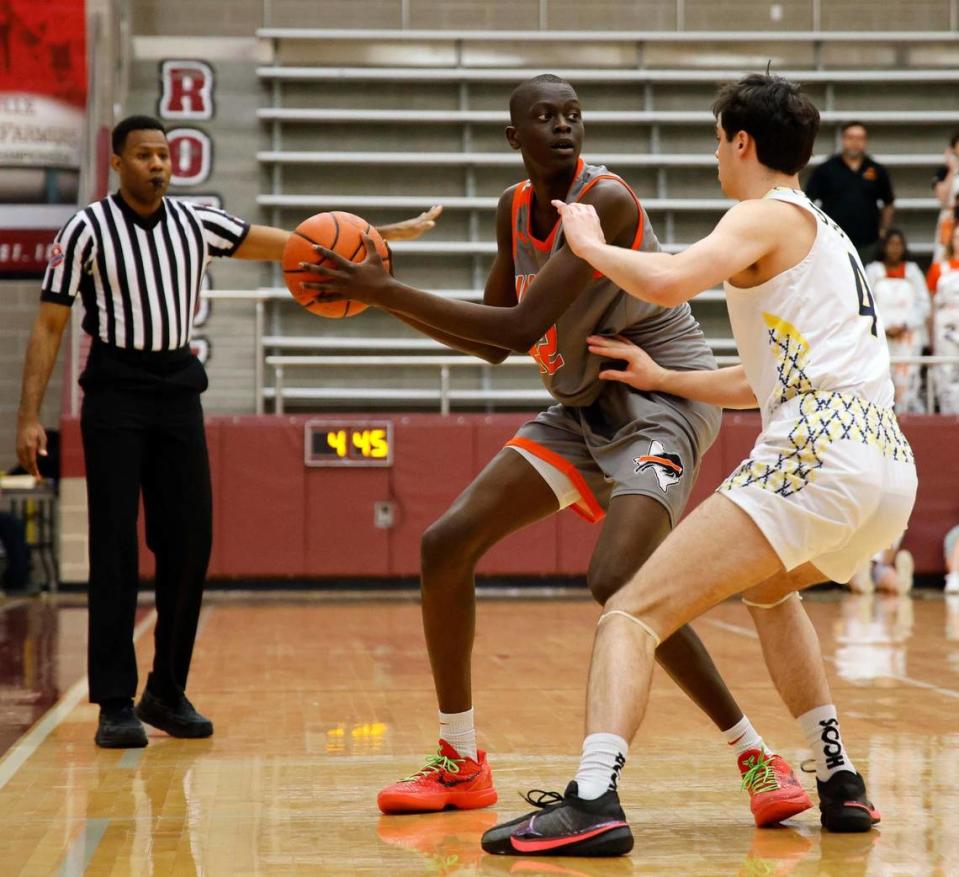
(611, 612)
(779, 602)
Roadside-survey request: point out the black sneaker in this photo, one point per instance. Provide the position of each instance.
(843, 804)
(178, 720)
(119, 728)
(564, 825)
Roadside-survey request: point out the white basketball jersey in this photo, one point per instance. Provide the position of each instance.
(895, 297)
(813, 327)
(947, 289)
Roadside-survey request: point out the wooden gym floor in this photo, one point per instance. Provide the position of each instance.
(318, 702)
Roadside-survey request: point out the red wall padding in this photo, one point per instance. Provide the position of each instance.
(275, 517)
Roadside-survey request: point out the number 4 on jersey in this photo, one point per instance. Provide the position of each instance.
(867, 307)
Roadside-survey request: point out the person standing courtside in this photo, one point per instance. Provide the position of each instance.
(850, 186)
(136, 259)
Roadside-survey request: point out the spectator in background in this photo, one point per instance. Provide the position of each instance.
(945, 183)
(850, 186)
(902, 298)
(943, 282)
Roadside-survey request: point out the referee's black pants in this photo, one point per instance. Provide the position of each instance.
(142, 426)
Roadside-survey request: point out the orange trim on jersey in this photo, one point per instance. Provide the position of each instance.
(518, 194)
(638, 237)
(935, 273)
(669, 464)
(547, 245)
(588, 507)
(897, 273)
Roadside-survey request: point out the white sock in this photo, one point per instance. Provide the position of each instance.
(821, 728)
(599, 767)
(743, 736)
(458, 730)
(952, 581)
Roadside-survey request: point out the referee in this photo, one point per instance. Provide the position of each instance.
(136, 260)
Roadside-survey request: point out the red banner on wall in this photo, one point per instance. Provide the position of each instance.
(43, 94)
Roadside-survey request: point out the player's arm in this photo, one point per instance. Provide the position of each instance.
(743, 236)
(726, 387)
(265, 243)
(500, 290)
(886, 217)
(42, 351)
(556, 286)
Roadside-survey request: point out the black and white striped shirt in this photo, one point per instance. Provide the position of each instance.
(139, 277)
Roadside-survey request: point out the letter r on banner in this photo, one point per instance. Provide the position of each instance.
(186, 90)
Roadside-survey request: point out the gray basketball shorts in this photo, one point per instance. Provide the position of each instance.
(626, 442)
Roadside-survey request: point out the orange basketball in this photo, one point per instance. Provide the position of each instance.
(339, 232)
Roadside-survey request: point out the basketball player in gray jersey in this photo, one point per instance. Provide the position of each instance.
(613, 454)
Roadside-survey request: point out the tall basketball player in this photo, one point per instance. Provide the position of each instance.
(624, 457)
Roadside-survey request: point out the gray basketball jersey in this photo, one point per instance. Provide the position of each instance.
(569, 371)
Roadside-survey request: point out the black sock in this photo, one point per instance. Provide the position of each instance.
(116, 704)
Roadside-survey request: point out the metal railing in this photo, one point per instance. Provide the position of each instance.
(513, 75)
(443, 394)
(514, 160)
(597, 117)
(458, 202)
(604, 36)
(417, 352)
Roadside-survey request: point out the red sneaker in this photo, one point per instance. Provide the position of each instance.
(446, 780)
(774, 792)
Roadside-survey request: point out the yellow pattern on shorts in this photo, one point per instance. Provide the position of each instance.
(824, 417)
(792, 353)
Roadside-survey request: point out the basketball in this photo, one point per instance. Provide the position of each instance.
(337, 231)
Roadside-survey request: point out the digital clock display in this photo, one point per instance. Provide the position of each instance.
(349, 443)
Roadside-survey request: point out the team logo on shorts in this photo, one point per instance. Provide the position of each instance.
(56, 256)
(668, 467)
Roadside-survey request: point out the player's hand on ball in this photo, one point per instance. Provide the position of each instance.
(339, 279)
(581, 226)
(411, 229)
(640, 370)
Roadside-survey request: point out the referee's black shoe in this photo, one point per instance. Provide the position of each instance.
(179, 719)
(119, 728)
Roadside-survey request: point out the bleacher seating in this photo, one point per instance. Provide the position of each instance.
(386, 123)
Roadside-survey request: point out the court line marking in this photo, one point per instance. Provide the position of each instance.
(83, 847)
(21, 751)
(131, 758)
(907, 680)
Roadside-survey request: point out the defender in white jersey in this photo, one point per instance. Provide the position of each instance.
(830, 481)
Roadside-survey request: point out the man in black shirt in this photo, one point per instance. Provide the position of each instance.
(136, 259)
(850, 187)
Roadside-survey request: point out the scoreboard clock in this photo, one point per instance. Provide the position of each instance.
(352, 443)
